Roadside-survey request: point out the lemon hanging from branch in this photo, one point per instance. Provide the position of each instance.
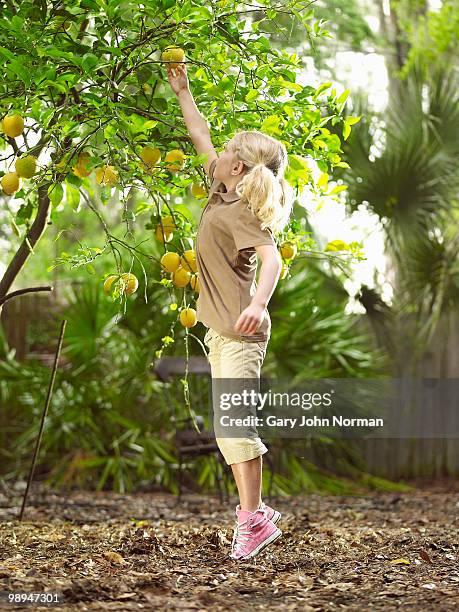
(126, 283)
(174, 159)
(26, 166)
(188, 261)
(181, 277)
(150, 157)
(173, 56)
(13, 125)
(81, 169)
(188, 317)
(198, 190)
(108, 282)
(194, 283)
(170, 262)
(288, 250)
(130, 283)
(10, 183)
(106, 176)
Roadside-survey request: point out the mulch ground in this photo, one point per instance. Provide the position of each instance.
(103, 551)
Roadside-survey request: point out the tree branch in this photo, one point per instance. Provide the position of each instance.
(14, 294)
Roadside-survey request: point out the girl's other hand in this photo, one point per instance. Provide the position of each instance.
(178, 78)
(250, 319)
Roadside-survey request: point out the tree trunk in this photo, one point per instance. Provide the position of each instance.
(33, 236)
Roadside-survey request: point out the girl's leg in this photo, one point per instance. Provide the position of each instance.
(255, 526)
(248, 480)
(242, 360)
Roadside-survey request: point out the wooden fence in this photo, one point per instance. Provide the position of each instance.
(399, 458)
(30, 316)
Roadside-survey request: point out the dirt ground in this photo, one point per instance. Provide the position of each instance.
(103, 551)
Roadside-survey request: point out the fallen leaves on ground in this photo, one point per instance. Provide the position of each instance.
(104, 551)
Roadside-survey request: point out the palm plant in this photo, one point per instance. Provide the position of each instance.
(313, 336)
(109, 424)
(405, 168)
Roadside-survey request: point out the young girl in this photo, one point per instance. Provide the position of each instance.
(249, 200)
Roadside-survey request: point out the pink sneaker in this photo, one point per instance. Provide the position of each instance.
(254, 531)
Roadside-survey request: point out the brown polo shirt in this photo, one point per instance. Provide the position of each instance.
(227, 262)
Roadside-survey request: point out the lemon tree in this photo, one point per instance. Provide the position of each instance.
(88, 118)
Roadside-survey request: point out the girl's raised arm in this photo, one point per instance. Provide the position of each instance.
(195, 122)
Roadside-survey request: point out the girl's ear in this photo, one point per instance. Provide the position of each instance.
(240, 167)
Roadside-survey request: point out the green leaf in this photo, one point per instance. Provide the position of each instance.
(72, 196)
(17, 69)
(159, 104)
(337, 189)
(343, 97)
(55, 193)
(88, 62)
(128, 215)
(296, 162)
(322, 88)
(289, 85)
(271, 124)
(252, 95)
(288, 110)
(323, 180)
(7, 53)
(337, 245)
(347, 125)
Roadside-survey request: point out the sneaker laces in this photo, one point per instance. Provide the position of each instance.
(241, 536)
(262, 506)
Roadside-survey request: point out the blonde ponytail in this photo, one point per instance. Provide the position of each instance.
(263, 187)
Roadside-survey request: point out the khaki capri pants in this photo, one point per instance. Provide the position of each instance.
(235, 359)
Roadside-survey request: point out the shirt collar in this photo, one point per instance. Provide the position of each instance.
(227, 196)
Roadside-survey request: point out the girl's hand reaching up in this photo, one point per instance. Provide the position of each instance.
(178, 78)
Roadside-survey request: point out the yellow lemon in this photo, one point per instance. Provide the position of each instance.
(181, 277)
(10, 182)
(188, 260)
(166, 55)
(26, 166)
(288, 250)
(81, 168)
(194, 283)
(108, 282)
(170, 261)
(106, 176)
(175, 155)
(198, 191)
(130, 283)
(177, 55)
(166, 237)
(188, 317)
(150, 156)
(13, 125)
(173, 55)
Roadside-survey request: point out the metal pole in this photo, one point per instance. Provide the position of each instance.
(43, 416)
